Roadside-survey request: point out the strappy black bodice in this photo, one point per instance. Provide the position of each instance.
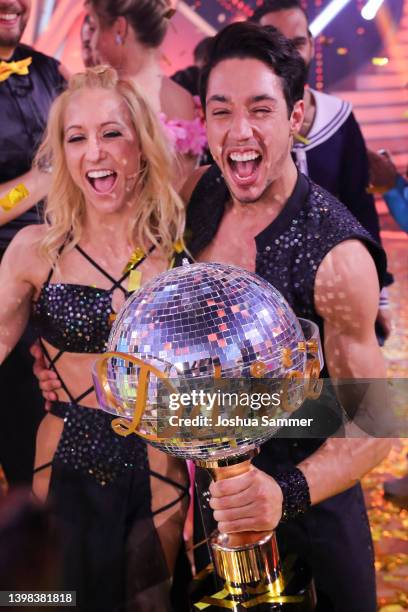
(76, 318)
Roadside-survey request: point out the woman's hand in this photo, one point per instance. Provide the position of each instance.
(249, 502)
(47, 379)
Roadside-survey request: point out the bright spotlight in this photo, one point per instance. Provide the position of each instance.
(370, 9)
(327, 15)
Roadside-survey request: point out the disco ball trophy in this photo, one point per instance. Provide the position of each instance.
(206, 328)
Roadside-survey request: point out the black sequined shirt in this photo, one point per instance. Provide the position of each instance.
(289, 252)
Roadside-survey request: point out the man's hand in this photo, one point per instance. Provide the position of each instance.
(383, 172)
(47, 379)
(249, 502)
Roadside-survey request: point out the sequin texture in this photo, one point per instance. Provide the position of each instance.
(88, 444)
(74, 318)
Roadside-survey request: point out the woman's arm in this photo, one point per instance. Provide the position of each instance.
(16, 289)
(22, 193)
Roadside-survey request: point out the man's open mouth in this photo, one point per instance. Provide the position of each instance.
(9, 18)
(102, 181)
(244, 165)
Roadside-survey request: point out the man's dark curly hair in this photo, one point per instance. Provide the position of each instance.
(248, 40)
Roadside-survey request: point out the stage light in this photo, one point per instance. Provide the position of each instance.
(326, 16)
(370, 9)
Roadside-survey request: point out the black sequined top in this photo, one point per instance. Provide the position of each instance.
(289, 252)
(74, 318)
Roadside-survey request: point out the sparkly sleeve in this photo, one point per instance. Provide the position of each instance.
(187, 137)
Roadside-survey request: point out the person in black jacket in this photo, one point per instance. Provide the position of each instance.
(29, 81)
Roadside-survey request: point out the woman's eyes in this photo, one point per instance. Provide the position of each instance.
(76, 138)
(112, 134)
(81, 137)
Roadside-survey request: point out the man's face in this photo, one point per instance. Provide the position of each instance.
(292, 23)
(249, 132)
(14, 15)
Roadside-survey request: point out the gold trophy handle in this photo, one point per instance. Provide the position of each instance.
(229, 471)
(124, 426)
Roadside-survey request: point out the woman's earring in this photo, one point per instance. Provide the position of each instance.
(118, 39)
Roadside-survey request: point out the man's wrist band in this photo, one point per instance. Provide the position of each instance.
(14, 197)
(296, 495)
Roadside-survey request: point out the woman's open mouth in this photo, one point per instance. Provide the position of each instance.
(244, 166)
(102, 181)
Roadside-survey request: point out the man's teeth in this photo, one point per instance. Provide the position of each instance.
(244, 157)
(95, 174)
(8, 16)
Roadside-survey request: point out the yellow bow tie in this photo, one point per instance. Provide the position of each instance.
(9, 68)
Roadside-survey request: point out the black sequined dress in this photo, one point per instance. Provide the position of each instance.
(100, 483)
(333, 536)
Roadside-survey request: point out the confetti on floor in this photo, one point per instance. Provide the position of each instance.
(389, 523)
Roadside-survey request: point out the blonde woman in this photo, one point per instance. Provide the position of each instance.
(111, 212)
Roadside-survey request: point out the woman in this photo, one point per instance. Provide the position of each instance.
(128, 34)
(112, 218)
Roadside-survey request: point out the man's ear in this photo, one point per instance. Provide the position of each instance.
(297, 116)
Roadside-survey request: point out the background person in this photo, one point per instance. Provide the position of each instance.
(128, 35)
(29, 81)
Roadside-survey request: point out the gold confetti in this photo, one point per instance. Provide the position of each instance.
(135, 278)
(379, 61)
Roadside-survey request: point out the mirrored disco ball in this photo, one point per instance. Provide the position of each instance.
(203, 327)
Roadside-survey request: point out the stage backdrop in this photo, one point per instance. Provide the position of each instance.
(343, 47)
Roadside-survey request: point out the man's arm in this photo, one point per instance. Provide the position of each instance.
(36, 184)
(346, 296)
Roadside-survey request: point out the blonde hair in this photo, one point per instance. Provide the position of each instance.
(159, 212)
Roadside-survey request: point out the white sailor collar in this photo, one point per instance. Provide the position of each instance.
(331, 113)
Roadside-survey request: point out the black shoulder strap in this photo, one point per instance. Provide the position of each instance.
(205, 209)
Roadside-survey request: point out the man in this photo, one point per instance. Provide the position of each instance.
(29, 81)
(332, 149)
(254, 210)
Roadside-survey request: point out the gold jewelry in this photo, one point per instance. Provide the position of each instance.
(9, 68)
(14, 197)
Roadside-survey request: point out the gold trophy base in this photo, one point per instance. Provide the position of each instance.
(252, 564)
